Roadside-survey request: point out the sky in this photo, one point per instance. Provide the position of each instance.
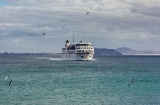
(111, 24)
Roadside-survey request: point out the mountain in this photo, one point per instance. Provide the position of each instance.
(97, 52)
(128, 51)
(106, 52)
(5, 54)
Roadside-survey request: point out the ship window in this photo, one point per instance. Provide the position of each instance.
(82, 56)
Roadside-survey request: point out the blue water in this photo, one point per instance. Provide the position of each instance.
(103, 81)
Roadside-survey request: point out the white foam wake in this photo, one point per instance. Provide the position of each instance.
(49, 58)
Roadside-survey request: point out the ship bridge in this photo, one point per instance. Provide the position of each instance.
(84, 46)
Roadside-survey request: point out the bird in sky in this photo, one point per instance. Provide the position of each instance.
(131, 82)
(89, 11)
(10, 82)
(44, 34)
(6, 77)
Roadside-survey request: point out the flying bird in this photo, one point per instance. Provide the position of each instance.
(10, 82)
(131, 82)
(6, 77)
(89, 11)
(44, 34)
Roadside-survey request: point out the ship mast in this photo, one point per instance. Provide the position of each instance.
(73, 38)
(82, 39)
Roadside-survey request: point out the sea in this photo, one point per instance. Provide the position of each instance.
(121, 80)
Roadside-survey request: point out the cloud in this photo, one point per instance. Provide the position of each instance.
(111, 24)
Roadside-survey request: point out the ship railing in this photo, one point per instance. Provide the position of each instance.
(68, 48)
(85, 51)
(84, 47)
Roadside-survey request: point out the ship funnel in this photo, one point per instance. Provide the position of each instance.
(67, 43)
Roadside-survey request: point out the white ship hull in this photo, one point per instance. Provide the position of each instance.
(77, 56)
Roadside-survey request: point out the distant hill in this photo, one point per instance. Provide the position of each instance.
(5, 54)
(97, 52)
(128, 51)
(106, 52)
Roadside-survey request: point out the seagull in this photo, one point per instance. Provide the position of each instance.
(44, 33)
(89, 11)
(6, 77)
(131, 82)
(10, 82)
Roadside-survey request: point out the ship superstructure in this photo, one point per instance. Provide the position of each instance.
(79, 51)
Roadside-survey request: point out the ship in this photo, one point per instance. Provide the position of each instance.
(79, 51)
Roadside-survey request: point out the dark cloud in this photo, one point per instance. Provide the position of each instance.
(148, 11)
